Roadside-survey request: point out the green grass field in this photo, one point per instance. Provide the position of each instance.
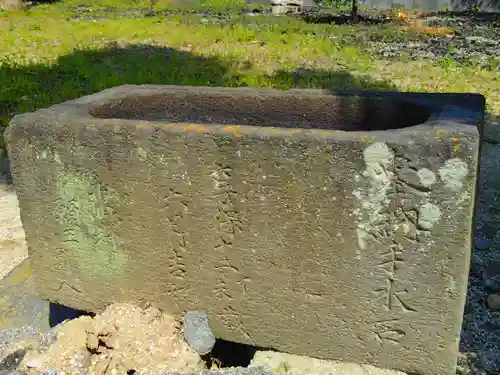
(55, 52)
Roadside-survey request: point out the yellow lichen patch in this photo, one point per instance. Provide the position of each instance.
(325, 132)
(440, 133)
(292, 189)
(326, 156)
(140, 126)
(278, 131)
(365, 138)
(232, 129)
(197, 128)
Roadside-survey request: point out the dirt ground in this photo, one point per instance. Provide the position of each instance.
(13, 248)
(123, 339)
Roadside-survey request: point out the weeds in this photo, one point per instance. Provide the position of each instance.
(55, 52)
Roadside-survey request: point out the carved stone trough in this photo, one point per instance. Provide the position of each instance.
(335, 226)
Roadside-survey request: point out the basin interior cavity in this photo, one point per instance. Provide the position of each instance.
(328, 112)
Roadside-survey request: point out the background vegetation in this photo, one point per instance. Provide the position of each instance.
(58, 51)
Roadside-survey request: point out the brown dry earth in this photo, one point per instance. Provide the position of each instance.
(123, 339)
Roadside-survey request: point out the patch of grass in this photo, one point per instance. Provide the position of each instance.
(51, 53)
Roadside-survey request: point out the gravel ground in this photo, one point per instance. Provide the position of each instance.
(463, 38)
(475, 40)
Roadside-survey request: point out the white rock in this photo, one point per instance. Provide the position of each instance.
(197, 332)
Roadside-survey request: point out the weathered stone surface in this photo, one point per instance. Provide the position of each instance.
(299, 365)
(332, 226)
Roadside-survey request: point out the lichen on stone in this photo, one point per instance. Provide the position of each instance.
(83, 206)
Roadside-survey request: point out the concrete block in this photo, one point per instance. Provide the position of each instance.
(335, 226)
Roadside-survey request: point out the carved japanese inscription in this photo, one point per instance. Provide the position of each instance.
(390, 194)
(227, 226)
(175, 206)
(325, 225)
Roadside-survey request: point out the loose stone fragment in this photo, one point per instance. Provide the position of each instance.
(494, 301)
(197, 332)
